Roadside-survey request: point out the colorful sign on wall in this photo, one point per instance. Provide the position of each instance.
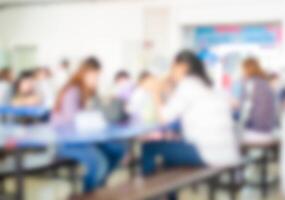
(266, 35)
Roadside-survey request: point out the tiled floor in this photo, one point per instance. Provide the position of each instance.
(53, 189)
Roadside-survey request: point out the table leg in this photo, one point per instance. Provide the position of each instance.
(132, 164)
(264, 175)
(19, 175)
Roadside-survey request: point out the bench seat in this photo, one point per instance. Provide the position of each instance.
(154, 186)
(40, 169)
(261, 144)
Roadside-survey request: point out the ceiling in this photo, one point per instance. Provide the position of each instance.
(17, 3)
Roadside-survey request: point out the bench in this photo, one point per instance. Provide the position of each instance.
(270, 153)
(163, 183)
(50, 168)
(172, 180)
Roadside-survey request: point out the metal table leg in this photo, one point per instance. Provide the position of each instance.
(19, 175)
(264, 174)
(132, 164)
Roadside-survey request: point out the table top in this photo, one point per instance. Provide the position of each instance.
(42, 135)
(23, 111)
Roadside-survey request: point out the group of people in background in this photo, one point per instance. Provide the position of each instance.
(186, 95)
(34, 87)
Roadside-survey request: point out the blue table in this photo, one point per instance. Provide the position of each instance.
(12, 111)
(40, 136)
(17, 138)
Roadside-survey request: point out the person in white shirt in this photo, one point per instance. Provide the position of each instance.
(207, 129)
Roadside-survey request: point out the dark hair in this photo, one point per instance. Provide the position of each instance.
(195, 65)
(143, 75)
(6, 74)
(65, 62)
(24, 75)
(92, 63)
(121, 74)
(46, 70)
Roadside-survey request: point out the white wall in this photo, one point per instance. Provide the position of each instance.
(115, 30)
(73, 31)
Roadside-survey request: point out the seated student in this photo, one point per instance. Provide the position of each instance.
(6, 79)
(24, 94)
(123, 86)
(99, 160)
(114, 107)
(282, 121)
(206, 122)
(258, 109)
(141, 106)
(24, 91)
(45, 88)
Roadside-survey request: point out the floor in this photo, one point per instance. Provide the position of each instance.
(58, 189)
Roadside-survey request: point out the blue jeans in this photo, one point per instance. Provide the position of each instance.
(98, 160)
(173, 153)
(114, 152)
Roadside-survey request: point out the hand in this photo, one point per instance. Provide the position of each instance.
(154, 85)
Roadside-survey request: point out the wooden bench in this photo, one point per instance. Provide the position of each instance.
(270, 153)
(50, 169)
(161, 184)
(54, 165)
(175, 179)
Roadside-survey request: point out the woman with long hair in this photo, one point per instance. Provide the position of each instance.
(77, 92)
(75, 97)
(208, 138)
(258, 102)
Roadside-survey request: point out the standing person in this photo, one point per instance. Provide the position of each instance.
(6, 79)
(74, 98)
(258, 113)
(208, 137)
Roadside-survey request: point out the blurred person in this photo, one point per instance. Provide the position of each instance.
(282, 158)
(258, 113)
(141, 106)
(43, 78)
(274, 81)
(25, 92)
(208, 138)
(98, 159)
(123, 86)
(277, 86)
(235, 99)
(61, 75)
(6, 80)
